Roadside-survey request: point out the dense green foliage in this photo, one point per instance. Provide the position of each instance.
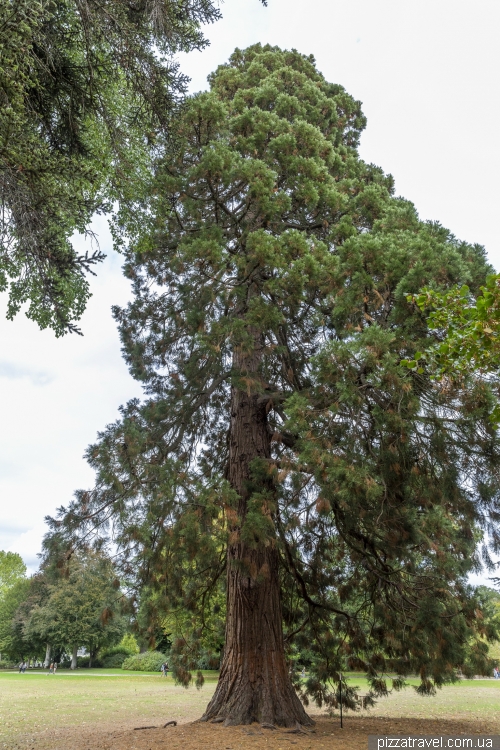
(149, 661)
(80, 609)
(263, 232)
(14, 587)
(114, 656)
(467, 329)
(13, 642)
(490, 604)
(82, 662)
(127, 643)
(84, 87)
(80, 605)
(489, 600)
(114, 661)
(12, 569)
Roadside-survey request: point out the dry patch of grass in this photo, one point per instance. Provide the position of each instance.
(34, 704)
(326, 735)
(468, 699)
(86, 712)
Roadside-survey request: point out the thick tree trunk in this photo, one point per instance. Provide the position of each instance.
(48, 651)
(74, 657)
(254, 683)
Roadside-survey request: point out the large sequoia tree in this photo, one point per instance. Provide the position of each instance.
(283, 455)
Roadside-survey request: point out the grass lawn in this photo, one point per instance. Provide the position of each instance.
(36, 703)
(468, 699)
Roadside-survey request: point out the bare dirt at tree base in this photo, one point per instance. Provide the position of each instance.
(325, 734)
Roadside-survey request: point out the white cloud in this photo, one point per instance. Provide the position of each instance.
(12, 371)
(484, 579)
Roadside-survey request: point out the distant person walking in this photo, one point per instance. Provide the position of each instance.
(164, 669)
(55, 667)
(51, 668)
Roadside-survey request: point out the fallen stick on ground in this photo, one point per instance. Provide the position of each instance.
(168, 724)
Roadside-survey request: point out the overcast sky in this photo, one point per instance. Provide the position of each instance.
(427, 74)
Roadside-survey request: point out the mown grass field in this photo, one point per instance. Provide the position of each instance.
(468, 699)
(36, 703)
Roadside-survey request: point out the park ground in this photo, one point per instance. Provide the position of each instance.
(100, 710)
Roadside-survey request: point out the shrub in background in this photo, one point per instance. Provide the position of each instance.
(150, 661)
(129, 643)
(115, 660)
(84, 662)
(113, 657)
(208, 660)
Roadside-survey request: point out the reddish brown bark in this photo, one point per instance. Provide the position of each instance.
(254, 684)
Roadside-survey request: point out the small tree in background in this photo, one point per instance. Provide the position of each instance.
(14, 643)
(12, 569)
(283, 456)
(36, 596)
(81, 610)
(13, 590)
(129, 643)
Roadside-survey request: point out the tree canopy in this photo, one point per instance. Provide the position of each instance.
(12, 568)
(78, 607)
(13, 642)
(466, 327)
(13, 589)
(84, 87)
(285, 470)
(81, 609)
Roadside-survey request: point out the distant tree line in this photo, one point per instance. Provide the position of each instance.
(49, 615)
